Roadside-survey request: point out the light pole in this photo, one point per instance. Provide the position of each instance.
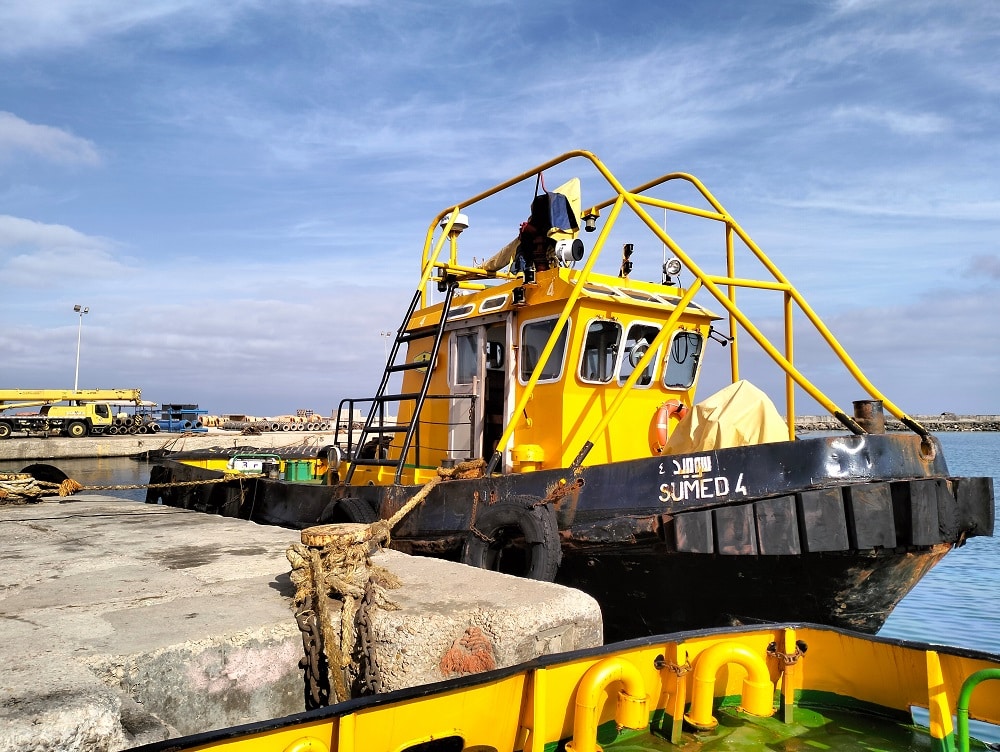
(79, 333)
(385, 343)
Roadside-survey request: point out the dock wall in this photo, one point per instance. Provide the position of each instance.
(129, 623)
(60, 447)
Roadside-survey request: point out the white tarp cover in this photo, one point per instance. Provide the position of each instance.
(739, 415)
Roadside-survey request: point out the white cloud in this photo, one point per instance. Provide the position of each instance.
(18, 137)
(906, 124)
(56, 257)
(60, 24)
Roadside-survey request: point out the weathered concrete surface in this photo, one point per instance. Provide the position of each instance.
(60, 447)
(124, 623)
(946, 422)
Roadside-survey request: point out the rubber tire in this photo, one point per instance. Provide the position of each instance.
(520, 520)
(5, 430)
(77, 429)
(348, 509)
(45, 473)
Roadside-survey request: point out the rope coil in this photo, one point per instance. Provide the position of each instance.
(333, 562)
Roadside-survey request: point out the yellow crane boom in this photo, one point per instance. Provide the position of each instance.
(18, 398)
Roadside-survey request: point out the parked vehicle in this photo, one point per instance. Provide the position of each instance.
(88, 410)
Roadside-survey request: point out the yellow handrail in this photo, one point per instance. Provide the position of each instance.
(721, 287)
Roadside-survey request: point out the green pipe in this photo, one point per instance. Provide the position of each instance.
(964, 698)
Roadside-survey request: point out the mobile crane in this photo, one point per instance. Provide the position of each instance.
(87, 411)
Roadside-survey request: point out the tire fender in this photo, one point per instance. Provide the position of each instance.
(348, 509)
(520, 516)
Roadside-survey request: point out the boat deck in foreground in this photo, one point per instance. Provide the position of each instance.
(781, 688)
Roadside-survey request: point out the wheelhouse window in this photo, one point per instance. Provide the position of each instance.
(600, 348)
(636, 343)
(534, 335)
(682, 360)
(466, 357)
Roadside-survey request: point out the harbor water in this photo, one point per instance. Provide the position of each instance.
(957, 603)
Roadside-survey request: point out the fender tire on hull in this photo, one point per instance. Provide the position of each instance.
(517, 523)
(45, 473)
(349, 509)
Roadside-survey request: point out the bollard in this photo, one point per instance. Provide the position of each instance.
(869, 415)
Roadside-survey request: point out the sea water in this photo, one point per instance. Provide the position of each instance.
(956, 603)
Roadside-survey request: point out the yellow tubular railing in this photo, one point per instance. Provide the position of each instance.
(732, 225)
(722, 288)
(741, 319)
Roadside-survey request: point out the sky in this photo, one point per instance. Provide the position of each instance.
(239, 192)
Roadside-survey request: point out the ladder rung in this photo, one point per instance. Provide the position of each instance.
(403, 337)
(408, 366)
(396, 397)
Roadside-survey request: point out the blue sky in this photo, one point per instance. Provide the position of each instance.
(239, 191)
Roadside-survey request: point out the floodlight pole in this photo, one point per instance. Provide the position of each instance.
(79, 334)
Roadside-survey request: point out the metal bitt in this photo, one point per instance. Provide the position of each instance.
(869, 415)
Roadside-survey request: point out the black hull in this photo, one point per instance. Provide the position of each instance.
(646, 595)
(830, 530)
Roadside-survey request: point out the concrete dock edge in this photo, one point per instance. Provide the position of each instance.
(125, 623)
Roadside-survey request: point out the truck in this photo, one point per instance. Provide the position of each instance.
(68, 412)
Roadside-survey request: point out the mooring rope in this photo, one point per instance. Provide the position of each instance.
(333, 562)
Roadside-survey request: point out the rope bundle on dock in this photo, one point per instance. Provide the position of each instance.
(333, 562)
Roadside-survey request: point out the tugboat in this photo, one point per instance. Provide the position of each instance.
(564, 397)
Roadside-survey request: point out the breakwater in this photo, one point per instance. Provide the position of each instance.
(941, 422)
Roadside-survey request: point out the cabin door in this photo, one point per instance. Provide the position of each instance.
(495, 386)
(465, 377)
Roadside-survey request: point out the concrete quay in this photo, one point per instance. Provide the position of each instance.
(60, 447)
(127, 623)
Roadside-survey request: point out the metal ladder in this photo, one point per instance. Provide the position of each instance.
(375, 425)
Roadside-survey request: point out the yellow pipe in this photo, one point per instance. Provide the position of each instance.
(734, 352)
(938, 704)
(790, 355)
(757, 697)
(307, 744)
(740, 317)
(539, 707)
(346, 741)
(629, 713)
(758, 284)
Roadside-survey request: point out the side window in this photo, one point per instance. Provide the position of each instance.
(636, 343)
(102, 411)
(600, 348)
(682, 360)
(534, 335)
(466, 357)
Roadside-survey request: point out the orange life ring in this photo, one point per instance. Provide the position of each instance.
(663, 413)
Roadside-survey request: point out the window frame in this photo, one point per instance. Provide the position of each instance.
(619, 379)
(562, 356)
(583, 350)
(699, 351)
